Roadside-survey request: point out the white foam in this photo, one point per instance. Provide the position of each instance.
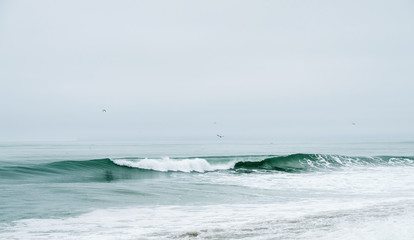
(317, 219)
(167, 164)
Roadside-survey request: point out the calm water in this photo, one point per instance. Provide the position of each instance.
(209, 190)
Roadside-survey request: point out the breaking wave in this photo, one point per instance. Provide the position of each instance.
(313, 162)
(177, 165)
(131, 168)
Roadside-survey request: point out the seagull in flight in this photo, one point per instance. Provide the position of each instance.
(220, 136)
(103, 110)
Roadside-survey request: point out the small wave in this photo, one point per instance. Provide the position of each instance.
(96, 170)
(167, 164)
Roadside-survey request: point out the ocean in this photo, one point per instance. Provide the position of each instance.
(206, 190)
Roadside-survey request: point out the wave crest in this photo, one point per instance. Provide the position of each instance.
(307, 162)
(167, 164)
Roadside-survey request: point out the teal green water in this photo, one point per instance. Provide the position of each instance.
(44, 183)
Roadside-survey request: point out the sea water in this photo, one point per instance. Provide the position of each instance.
(206, 190)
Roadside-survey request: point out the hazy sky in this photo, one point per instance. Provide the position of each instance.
(169, 69)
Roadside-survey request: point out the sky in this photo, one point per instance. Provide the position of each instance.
(270, 70)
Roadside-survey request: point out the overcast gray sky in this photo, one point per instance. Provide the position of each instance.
(170, 69)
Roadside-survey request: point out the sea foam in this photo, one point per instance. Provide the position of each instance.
(178, 165)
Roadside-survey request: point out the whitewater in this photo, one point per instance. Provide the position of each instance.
(207, 190)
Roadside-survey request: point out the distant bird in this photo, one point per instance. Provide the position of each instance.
(354, 124)
(220, 136)
(103, 110)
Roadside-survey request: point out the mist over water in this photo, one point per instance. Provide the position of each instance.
(279, 70)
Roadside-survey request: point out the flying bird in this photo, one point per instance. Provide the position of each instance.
(103, 110)
(220, 136)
